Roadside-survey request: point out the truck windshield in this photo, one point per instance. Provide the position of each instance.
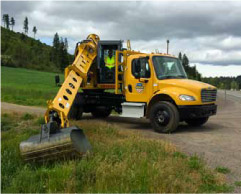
(168, 68)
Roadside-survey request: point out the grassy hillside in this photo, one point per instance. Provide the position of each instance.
(19, 50)
(27, 87)
(121, 161)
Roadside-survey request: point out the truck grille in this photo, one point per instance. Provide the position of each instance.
(208, 95)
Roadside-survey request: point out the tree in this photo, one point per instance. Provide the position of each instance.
(56, 41)
(12, 22)
(185, 62)
(34, 31)
(63, 53)
(60, 54)
(234, 85)
(66, 45)
(238, 79)
(6, 21)
(180, 56)
(56, 46)
(25, 25)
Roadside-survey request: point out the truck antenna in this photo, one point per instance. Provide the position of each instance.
(168, 46)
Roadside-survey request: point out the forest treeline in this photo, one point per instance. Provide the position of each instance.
(227, 83)
(20, 50)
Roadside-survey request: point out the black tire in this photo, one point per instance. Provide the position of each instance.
(164, 117)
(197, 122)
(75, 113)
(101, 112)
(76, 110)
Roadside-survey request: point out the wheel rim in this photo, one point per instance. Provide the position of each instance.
(162, 117)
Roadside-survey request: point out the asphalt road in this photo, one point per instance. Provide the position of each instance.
(218, 142)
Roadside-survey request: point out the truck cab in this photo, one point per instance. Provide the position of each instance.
(159, 82)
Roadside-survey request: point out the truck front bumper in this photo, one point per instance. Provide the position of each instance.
(197, 111)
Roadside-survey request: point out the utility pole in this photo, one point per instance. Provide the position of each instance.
(167, 46)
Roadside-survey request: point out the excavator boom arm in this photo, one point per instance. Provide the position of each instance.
(56, 138)
(84, 56)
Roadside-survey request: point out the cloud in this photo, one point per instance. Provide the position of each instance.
(208, 32)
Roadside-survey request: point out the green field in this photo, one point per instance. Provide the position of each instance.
(121, 161)
(27, 87)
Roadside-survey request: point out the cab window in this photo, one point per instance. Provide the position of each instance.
(140, 68)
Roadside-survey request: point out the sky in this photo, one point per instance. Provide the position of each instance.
(208, 32)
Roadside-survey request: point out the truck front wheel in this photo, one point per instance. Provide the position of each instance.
(197, 122)
(164, 117)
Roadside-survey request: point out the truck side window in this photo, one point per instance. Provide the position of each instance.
(145, 69)
(140, 68)
(135, 68)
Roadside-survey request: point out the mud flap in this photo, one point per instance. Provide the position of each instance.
(68, 142)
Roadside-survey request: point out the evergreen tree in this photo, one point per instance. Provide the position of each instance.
(34, 31)
(191, 71)
(180, 56)
(56, 41)
(63, 53)
(25, 25)
(56, 47)
(6, 21)
(12, 22)
(66, 44)
(185, 62)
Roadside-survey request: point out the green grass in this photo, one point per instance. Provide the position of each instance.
(27, 116)
(222, 169)
(238, 183)
(121, 161)
(27, 87)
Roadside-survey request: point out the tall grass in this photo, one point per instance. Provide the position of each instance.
(121, 161)
(27, 87)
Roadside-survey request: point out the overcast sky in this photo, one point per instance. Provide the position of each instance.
(209, 33)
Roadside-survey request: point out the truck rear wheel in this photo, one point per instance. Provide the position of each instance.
(164, 117)
(76, 110)
(101, 112)
(197, 121)
(75, 113)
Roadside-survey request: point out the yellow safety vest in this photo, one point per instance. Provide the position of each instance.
(110, 62)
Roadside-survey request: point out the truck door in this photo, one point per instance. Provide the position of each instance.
(138, 80)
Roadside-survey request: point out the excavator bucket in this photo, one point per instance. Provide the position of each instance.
(66, 143)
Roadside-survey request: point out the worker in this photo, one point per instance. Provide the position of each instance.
(110, 66)
(110, 60)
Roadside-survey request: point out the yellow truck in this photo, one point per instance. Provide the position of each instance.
(138, 85)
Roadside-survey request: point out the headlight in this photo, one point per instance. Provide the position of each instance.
(186, 98)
